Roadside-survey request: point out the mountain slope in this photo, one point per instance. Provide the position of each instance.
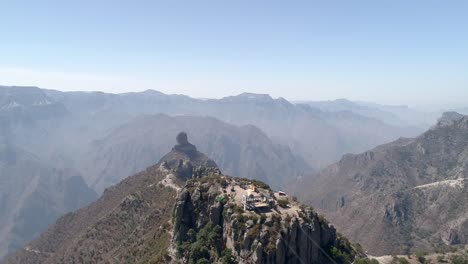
(342, 105)
(407, 195)
(153, 216)
(33, 195)
(396, 115)
(36, 187)
(29, 103)
(319, 137)
(245, 151)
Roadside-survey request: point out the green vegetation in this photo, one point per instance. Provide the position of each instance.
(256, 183)
(260, 184)
(237, 209)
(421, 256)
(262, 219)
(283, 203)
(204, 248)
(227, 257)
(365, 261)
(221, 199)
(358, 248)
(459, 259)
(442, 248)
(339, 255)
(401, 260)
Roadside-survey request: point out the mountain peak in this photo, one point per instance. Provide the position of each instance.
(250, 97)
(448, 118)
(184, 146)
(184, 158)
(255, 96)
(151, 91)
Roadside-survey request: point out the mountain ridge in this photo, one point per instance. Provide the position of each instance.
(408, 191)
(147, 219)
(245, 151)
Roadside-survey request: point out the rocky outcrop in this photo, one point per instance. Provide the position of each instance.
(412, 192)
(185, 158)
(448, 118)
(242, 151)
(146, 219)
(252, 237)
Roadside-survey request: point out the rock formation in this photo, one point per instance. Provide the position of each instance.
(145, 219)
(293, 235)
(411, 192)
(185, 159)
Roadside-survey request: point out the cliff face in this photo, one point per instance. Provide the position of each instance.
(231, 234)
(166, 215)
(412, 192)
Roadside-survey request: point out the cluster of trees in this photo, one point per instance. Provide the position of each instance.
(205, 247)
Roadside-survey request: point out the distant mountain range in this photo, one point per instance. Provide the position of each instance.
(319, 137)
(400, 197)
(100, 138)
(244, 151)
(397, 115)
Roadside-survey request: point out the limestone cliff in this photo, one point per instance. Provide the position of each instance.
(211, 225)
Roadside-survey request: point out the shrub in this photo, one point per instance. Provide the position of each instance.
(337, 254)
(203, 261)
(366, 261)
(457, 259)
(199, 251)
(262, 219)
(200, 246)
(260, 184)
(237, 209)
(227, 257)
(283, 203)
(403, 261)
(421, 257)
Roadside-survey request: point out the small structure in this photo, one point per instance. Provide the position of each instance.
(254, 200)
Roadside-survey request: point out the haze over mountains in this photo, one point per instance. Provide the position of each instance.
(303, 128)
(33, 192)
(33, 195)
(61, 148)
(245, 151)
(177, 211)
(407, 195)
(399, 115)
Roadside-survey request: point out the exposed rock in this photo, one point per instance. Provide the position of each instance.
(412, 192)
(280, 238)
(185, 161)
(141, 220)
(449, 118)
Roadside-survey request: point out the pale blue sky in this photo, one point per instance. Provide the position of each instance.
(411, 52)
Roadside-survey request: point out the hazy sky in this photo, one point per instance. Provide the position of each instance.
(411, 52)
